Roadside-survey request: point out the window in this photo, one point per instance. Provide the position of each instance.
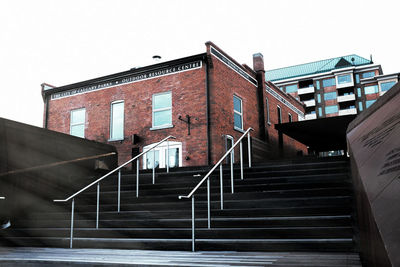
(360, 106)
(319, 98)
(278, 110)
(77, 126)
(369, 103)
(368, 74)
(237, 113)
(229, 142)
(331, 109)
(359, 92)
(373, 89)
(320, 112)
(162, 110)
(158, 156)
(330, 96)
(357, 78)
(387, 85)
(267, 106)
(290, 117)
(291, 88)
(318, 86)
(281, 88)
(117, 121)
(329, 82)
(342, 79)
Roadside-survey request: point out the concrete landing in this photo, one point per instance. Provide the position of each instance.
(112, 257)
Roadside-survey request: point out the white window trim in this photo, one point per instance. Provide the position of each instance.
(348, 84)
(76, 124)
(160, 109)
(111, 121)
(268, 119)
(385, 81)
(230, 137)
(162, 148)
(279, 109)
(290, 117)
(237, 112)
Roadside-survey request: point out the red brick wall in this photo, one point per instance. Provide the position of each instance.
(224, 84)
(290, 145)
(188, 97)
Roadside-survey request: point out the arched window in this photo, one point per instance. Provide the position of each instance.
(267, 107)
(278, 110)
(229, 141)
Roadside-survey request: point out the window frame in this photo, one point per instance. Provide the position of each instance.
(237, 112)
(231, 139)
(153, 110)
(290, 117)
(332, 78)
(268, 117)
(386, 81)
(348, 83)
(327, 107)
(112, 120)
(292, 85)
(279, 114)
(162, 154)
(77, 124)
(370, 86)
(368, 103)
(362, 74)
(330, 93)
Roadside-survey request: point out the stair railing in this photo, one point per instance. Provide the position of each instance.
(207, 177)
(119, 184)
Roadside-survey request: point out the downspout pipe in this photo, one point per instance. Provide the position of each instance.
(208, 112)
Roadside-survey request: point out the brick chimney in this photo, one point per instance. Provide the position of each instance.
(258, 62)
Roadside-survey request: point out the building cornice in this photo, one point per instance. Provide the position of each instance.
(120, 75)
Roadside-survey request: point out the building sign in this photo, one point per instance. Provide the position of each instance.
(285, 102)
(129, 79)
(233, 66)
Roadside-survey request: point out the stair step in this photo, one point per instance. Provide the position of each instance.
(293, 205)
(316, 244)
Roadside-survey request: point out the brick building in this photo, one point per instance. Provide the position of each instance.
(206, 101)
(334, 87)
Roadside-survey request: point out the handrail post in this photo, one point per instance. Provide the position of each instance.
(208, 204)
(72, 223)
(119, 190)
(137, 178)
(241, 160)
(232, 189)
(249, 147)
(193, 225)
(167, 156)
(97, 205)
(154, 166)
(221, 182)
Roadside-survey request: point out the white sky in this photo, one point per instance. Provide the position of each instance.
(62, 42)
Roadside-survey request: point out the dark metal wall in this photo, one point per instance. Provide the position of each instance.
(374, 146)
(38, 165)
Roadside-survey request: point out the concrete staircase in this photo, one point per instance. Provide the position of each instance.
(297, 205)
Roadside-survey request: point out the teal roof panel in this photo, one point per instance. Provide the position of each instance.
(315, 67)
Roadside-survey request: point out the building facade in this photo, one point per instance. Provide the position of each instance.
(206, 101)
(334, 87)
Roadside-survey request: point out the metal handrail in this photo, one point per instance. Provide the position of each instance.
(207, 177)
(119, 184)
(2, 198)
